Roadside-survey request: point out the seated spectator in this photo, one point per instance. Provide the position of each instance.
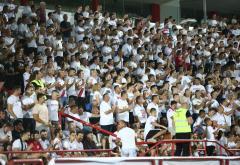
(5, 136)
(45, 144)
(89, 143)
(17, 129)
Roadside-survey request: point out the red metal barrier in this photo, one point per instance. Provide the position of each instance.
(155, 145)
(52, 151)
(174, 141)
(87, 124)
(26, 161)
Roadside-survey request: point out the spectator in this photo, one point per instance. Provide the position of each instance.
(17, 129)
(45, 144)
(182, 121)
(211, 133)
(40, 113)
(14, 106)
(128, 140)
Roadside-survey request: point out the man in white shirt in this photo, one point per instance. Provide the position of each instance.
(127, 48)
(128, 140)
(123, 108)
(71, 143)
(150, 133)
(154, 104)
(40, 113)
(170, 114)
(106, 116)
(53, 108)
(71, 80)
(28, 101)
(14, 105)
(106, 113)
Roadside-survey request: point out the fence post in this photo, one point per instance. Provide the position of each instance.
(172, 148)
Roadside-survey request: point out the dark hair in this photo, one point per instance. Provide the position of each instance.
(153, 110)
(173, 102)
(17, 122)
(201, 111)
(43, 130)
(40, 95)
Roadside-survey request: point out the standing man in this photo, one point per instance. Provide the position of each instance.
(182, 121)
(14, 105)
(106, 116)
(170, 114)
(128, 140)
(40, 113)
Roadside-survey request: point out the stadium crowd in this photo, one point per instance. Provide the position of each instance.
(128, 78)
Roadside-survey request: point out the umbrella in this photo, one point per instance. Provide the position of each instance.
(189, 20)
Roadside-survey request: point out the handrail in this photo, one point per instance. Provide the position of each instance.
(59, 151)
(87, 124)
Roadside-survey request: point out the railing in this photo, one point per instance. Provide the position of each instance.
(61, 114)
(175, 141)
(157, 144)
(57, 151)
(60, 153)
(26, 161)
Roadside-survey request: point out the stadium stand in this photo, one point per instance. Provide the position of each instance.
(91, 84)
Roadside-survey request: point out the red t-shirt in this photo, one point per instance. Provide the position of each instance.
(36, 145)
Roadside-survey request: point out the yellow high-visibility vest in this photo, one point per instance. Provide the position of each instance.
(38, 83)
(181, 122)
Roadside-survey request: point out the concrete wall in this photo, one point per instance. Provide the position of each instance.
(193, 8)
(171, 8)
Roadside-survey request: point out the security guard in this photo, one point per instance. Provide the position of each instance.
(182, 121)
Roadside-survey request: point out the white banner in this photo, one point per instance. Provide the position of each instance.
(191, 162)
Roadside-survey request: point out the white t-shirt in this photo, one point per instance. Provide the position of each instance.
(58, 45)
(220, 119)
(127, 136)
(79, 31)
(45, 144)
(78, 124)
(105, 119)
(32, 43)
(17, 144)
(170, 114)
(67, 145)
(85, 116)
(26, 77)
(141, 113)
(197, 87)
(153, 105)
(17, 106)
(26, 100)
(210, 135)
(49, 81)
(53, 106)
(71, 91)
(125, 115)
(149, 126)
(63, 92)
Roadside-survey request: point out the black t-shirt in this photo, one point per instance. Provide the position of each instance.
(66, 25)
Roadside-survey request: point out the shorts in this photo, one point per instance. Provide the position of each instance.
(55, 124)
(109, 128)
(150, 134)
